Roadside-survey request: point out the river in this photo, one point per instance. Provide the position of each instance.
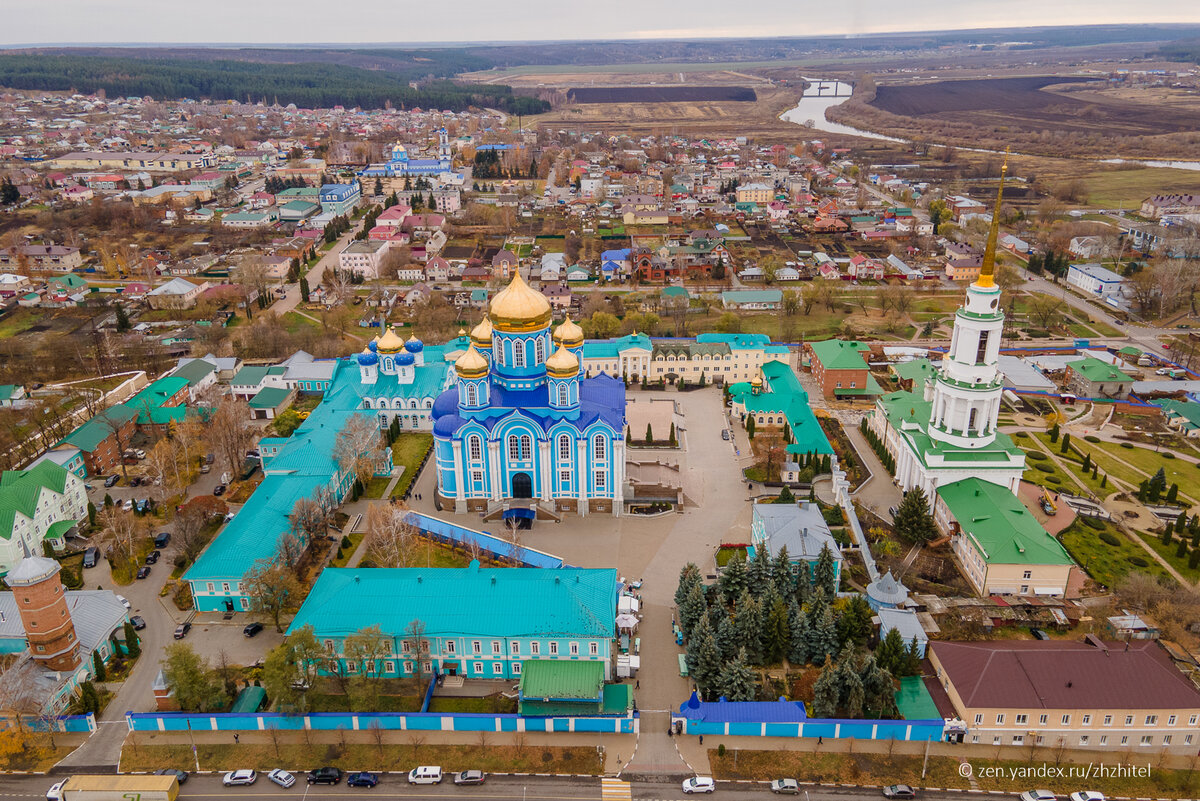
(823, 94)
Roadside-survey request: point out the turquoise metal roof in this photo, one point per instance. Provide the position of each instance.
(471, 601)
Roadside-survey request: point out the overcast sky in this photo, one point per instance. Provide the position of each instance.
(407, 22)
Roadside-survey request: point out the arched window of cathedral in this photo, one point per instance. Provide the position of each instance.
(541, 350)
(518, 353)
(600, 446)
(514, 448)
(526, 446)
(429, 403)
(412, 404)
(563, 400)
(475, 447)
(472, 395)
(564, 447)
(366, 403)
(387, 365)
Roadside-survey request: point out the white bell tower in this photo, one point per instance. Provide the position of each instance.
(966, 393)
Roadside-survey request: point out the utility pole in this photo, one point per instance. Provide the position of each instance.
(195, 753)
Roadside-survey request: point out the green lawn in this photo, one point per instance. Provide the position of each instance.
(408, 451)
(355, 538)
(1075, 463)
(376, 486)
(1167, 552)
(1114, 188)
(1185, 474)
(295, 323)
(18, 320)
(1105, 563)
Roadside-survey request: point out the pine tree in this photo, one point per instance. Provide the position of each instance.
(304, 289)
(737, 679)
(758, 574)
(671, 438)
(649, 435)
(1157, 485)
(1087, 462)
(799, 636)
(878, 689)
(785, 496)
(1066, 443)
(689, 575)
(701, 632)
(708, 663)
(826, 694)
(132, 645)
(913, 522)
(781, 574)
(823, 641)
(1193, 559)
(692, 609)
(1166, 535)
(803, 585)
(99, 672)
(1172, 493)
(1181, 523)
(1104, 481)
(1054, 433)
(726, 639)
(1181, 551)
(747, 626)
(122, 319)
(890, 652)
(750, 426)
(825, 572)
(1143, 491)
(733, 578)
(854, 622)
(851, 693)
(777, 634)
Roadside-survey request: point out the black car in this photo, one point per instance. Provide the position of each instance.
(90, 556)
(181, 630)
(143, 572)
(362, 779)
(136, 481)
(111, 481)
(152, 557)
(252, 629)
(138, 622)
(324, 776)
(162, 539)
(219, 489)
(181, 775)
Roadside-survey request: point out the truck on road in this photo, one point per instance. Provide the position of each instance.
(120, 788)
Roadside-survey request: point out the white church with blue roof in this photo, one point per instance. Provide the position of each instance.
(524, 429)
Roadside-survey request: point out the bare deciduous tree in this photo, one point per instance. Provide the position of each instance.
(231, 432)
(391, 542)
(359, 446)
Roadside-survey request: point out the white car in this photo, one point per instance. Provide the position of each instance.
(239, 777)
(1087, 795)
(699, 784)
(128, 505)
(124, 601)
(282, 777)
(1038, 795)
(55, 791)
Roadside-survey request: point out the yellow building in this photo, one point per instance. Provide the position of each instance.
(1073, 694)
(755, 193)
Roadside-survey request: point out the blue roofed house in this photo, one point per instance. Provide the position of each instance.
(906, 623)
(339, 199)
(799, 528)
(483, 623)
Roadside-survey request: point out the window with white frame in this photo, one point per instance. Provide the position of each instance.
(477, 476)
(449, 646)
(1170, 720)
(1146, 740)
(497, 668)
(1000, 719)
(516, 668)
(1124, 739)
(1042, 719)
(514, 447)
(1129, 720)
(1108, 720)
(593, 649)
(472, 396)
(535, 648)
(979, 720)
(1151, 720)
(1066, 720)
(518, 353)
(564, 478)
(478, 668)
(540, 350)
(526, 447)
(1083, 739)
(564, 447)
(574, 648)
(1018, 739)
(1086, 720)
(475, 447)
(1187, 739)
(1103, 739)
(408, 667)
(562, 395)
(599, 445)
(1021, 720)
(553, 648)
(601, 480)
(514, 648)
(496, 647)
(476, 647)
(1166, 739)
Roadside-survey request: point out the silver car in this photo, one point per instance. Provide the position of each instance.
(235, 778)
(282, 778)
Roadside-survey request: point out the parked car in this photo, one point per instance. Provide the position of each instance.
(55, 791)
(236, 778)
(425, 774)
(90, 556)
(362, 779)
(252, 629)
(470, 777)
(219, 490)
(128, 505)
(899, 791)
(181, 630)
(143, 572)
(180, 775)
(162, 539)
(326, 775)
(136, 481)
(139, 453)
(1038, 634)
(152, 557)
(138, 622)
(699, 784)
(1087, 795)
(724, 433)
(124, 601)
(1038, 795)
(785, 786)
(111, 481)
(282, 778)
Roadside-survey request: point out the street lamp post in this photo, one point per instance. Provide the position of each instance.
(195, 753)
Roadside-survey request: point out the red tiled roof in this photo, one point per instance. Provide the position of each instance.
(1037, 674)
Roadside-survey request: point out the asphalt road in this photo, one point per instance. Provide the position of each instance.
(497, 788)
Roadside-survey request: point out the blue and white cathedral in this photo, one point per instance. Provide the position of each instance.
(523, 428)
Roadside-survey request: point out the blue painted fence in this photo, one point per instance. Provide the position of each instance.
(60, 723)
(388, 721)
(914, 730)
(490, 544)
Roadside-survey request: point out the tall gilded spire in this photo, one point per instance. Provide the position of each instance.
(988, 270)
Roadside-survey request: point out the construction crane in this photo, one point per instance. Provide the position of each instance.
(1047, 503)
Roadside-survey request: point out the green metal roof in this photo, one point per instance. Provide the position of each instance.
(471, 601)
(782, 393)
(1001, 525)
(270, 398)
(253, 374)
(249, 700)
(752, 296)
(909, 413)
(20, 490)
(551, 680)
(1130, 350)
(1097, 371)
(675, 292)
(194, 371)
(59, 529)
(916, 370)
(838, 354)
(1188, 410)
(89, 435)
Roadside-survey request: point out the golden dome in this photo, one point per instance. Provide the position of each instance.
(390, 342)
(568, 333)
(462, 332)
(481, 334)
(562, 364)
(519, 308)
(757, 380)
(471, 364)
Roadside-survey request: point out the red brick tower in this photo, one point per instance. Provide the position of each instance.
(43, 606)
